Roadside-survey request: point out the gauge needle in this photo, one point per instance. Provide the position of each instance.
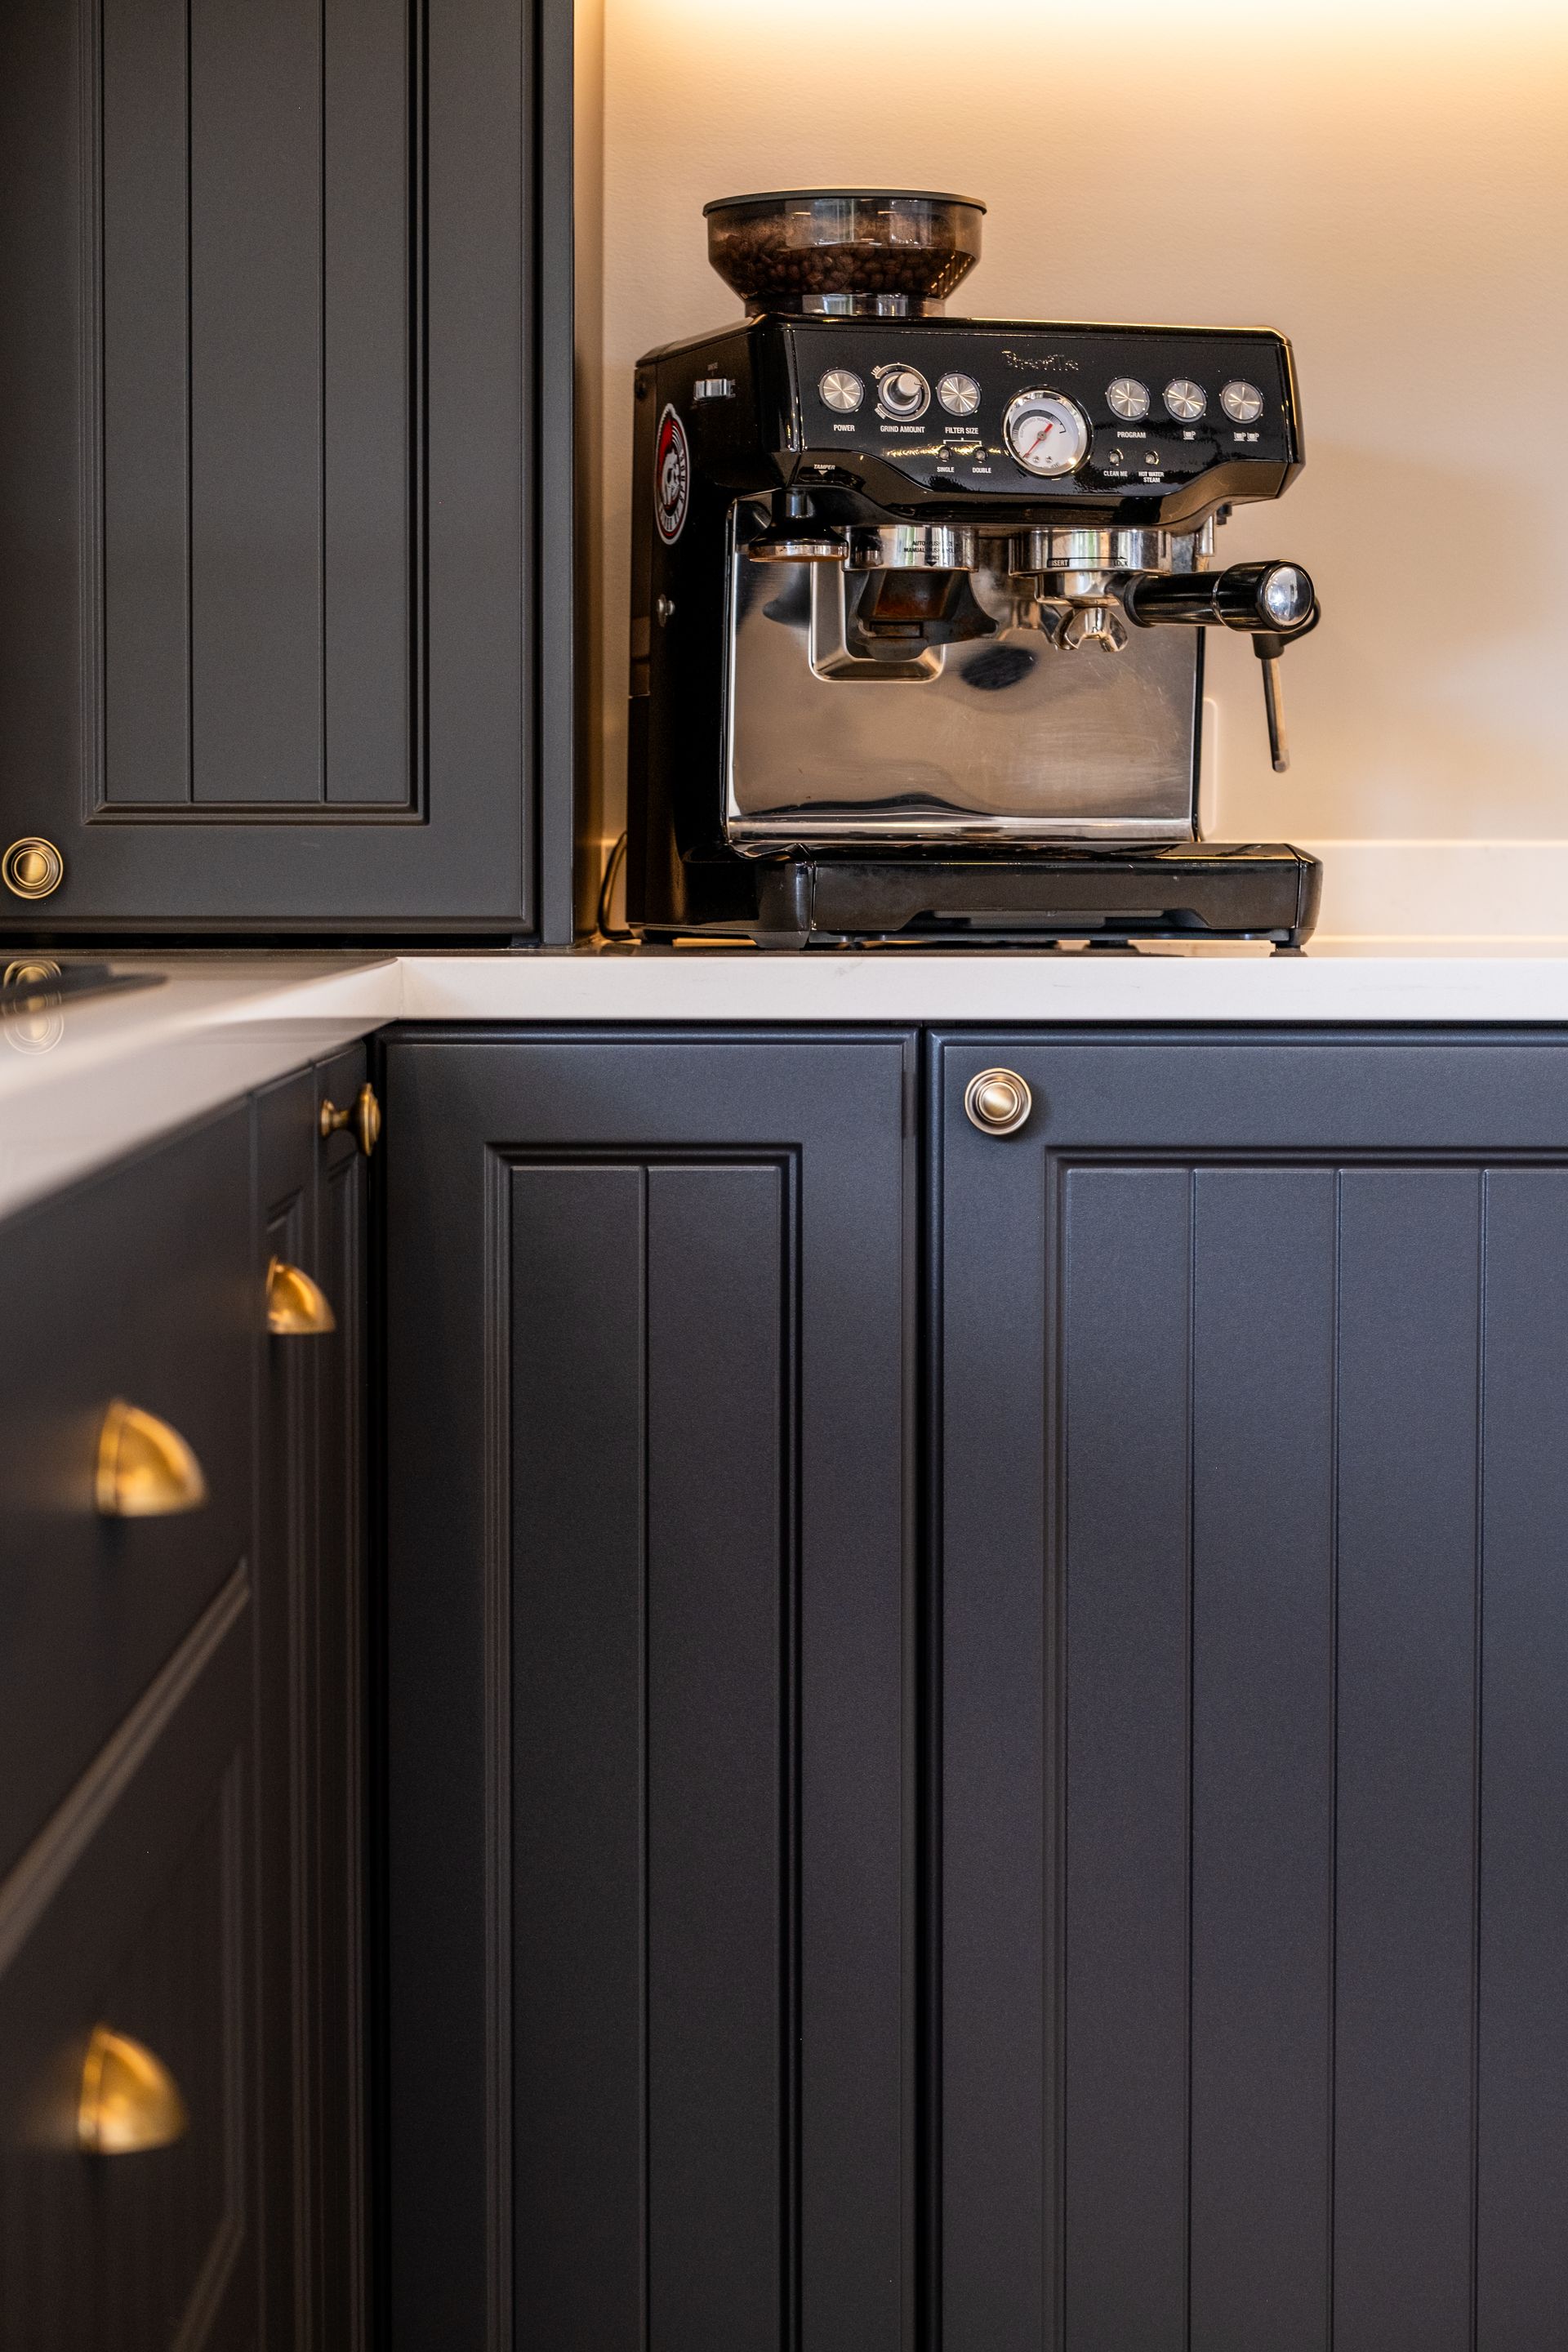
(1048, 426)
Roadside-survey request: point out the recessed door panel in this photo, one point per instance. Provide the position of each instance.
(272, 297)
(651, 1637)
(1252, 1412)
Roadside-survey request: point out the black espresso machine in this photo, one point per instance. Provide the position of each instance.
(918, 602)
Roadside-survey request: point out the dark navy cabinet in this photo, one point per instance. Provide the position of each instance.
(650, 1708)
(1063, 1849)
(286, 462)
(1250, 1601)
(316, 1699)
(948, 1741)
(183, 1694)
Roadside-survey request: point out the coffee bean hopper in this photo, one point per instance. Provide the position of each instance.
(919, 603)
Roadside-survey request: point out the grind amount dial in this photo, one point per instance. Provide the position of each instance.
(902, 392)
(1047, 432)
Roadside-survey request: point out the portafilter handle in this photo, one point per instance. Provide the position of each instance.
(1275, 603)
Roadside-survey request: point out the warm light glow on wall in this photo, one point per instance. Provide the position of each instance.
(1386, 180)
(1298, 28)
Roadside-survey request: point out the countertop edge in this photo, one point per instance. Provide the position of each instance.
(89, 1084)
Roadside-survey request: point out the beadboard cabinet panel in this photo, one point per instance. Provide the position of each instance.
(281, 285)
(1252, 1407)
(650, 1628)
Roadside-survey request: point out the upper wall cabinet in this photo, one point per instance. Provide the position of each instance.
(281, 285)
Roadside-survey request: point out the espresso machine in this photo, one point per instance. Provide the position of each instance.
(919, 603)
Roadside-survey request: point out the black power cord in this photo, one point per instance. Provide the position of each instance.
(613, 865)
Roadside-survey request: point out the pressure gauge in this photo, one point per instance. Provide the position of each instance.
(1047, 432)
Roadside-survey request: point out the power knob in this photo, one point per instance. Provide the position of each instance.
(997, 1102)
(842, 389)
(903, 392)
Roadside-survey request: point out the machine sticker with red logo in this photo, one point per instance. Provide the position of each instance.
(671, 477)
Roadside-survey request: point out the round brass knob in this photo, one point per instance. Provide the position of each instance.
(365, 1116)
(32, 868)
(997, 1101)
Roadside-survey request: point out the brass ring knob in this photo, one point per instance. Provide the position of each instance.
(32, 868)
(145, 1469)
(129, 2100)
(297, 1308)
(997, 1102)
(364, 1113)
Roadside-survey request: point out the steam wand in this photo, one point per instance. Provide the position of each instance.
(1275, 603)
(1268, 647)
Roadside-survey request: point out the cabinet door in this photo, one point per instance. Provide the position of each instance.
(309, 1578)
(133, 1912)
(648, 1381)
(1253, 1831)
(283, 560)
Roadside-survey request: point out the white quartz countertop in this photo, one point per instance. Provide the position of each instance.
(83, 1084)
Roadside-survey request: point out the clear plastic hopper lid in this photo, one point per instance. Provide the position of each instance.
(878, 250)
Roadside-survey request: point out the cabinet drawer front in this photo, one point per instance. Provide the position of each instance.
(139, 1286)
(130, 1913)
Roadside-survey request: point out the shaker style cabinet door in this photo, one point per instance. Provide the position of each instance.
(1253, 1630)
(276, 282)
(649, 1383)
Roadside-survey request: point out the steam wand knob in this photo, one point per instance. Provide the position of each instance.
(1275, 603)
(1285, 594)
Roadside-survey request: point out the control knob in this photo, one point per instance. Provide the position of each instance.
(1242, 402)
(841, 389)
(1129, 399)
(903, 393)
(1186, 400)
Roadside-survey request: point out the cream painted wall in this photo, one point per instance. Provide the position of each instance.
(1387, 182)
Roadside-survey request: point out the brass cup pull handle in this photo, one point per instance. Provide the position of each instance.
(145, 1469)
(363, 1114)
(130, 2101)
(997, 1102)
(297, 1308)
